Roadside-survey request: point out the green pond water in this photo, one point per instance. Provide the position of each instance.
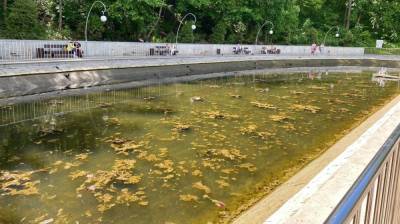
(197, 152)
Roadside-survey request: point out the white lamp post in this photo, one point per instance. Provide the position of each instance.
(103, 18)
(180, 24)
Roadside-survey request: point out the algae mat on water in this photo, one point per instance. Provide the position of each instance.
(196, 152)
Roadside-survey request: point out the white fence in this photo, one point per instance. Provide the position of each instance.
(22, 50)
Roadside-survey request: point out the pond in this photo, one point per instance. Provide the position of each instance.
(195, 152)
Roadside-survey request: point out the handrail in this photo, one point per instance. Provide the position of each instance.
(356, 192)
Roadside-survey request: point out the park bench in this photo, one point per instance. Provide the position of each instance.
(240, 50)
(54, 51)
(163, 51)
(270, 51)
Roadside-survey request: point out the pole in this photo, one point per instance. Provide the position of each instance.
(259, 30)
(326, 35)
(87, 21)
(180, 24)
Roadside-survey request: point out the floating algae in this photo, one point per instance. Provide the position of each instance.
(222, 183)
(279, 118)
(252, 130)
(263, 105)
(200, 186)
(197, 161)
(310, 108)
(219, 115)
(123, 146)
(188, 198)
(197, 173)
(18, 183)
(181, 127)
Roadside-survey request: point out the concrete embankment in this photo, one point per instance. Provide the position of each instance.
(21, 79)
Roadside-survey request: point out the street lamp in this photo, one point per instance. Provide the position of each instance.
(337, 35)
(180, 24)
(271, 31)
(103, 18)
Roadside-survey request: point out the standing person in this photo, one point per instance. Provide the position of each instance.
(78, 49)
(174, 51)
(71, 48)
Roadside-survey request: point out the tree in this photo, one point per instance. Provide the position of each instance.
(5, 4)
(22, 21)
(218, 33)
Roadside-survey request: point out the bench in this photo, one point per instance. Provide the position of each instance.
(240, 50)
(270, 51)
(54, 51)
(163, 51)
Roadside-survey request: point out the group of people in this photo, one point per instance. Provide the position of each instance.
(172, 50)
(241, 50)
(315, 49)
(75, 48)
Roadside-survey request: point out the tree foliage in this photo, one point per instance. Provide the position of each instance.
(219, 21)
(22, 21)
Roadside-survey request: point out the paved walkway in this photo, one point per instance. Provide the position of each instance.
(54, 66)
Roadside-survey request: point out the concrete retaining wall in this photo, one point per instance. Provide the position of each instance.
(26, 49)
(21, 85)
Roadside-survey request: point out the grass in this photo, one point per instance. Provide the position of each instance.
(383, 51)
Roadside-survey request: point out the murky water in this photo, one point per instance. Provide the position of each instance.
(185, 153)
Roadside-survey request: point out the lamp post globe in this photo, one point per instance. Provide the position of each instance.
(103, 18)
(271, 32)
(337, 35)
(194, 27)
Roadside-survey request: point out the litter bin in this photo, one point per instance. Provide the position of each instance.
(152, 52)
(218, 51)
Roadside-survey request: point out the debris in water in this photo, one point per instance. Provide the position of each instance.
(196, 99)
(217, 203)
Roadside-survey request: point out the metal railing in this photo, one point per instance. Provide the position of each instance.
(12, 51)
(375, 196)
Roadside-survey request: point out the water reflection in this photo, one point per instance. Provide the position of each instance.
(383, 76)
